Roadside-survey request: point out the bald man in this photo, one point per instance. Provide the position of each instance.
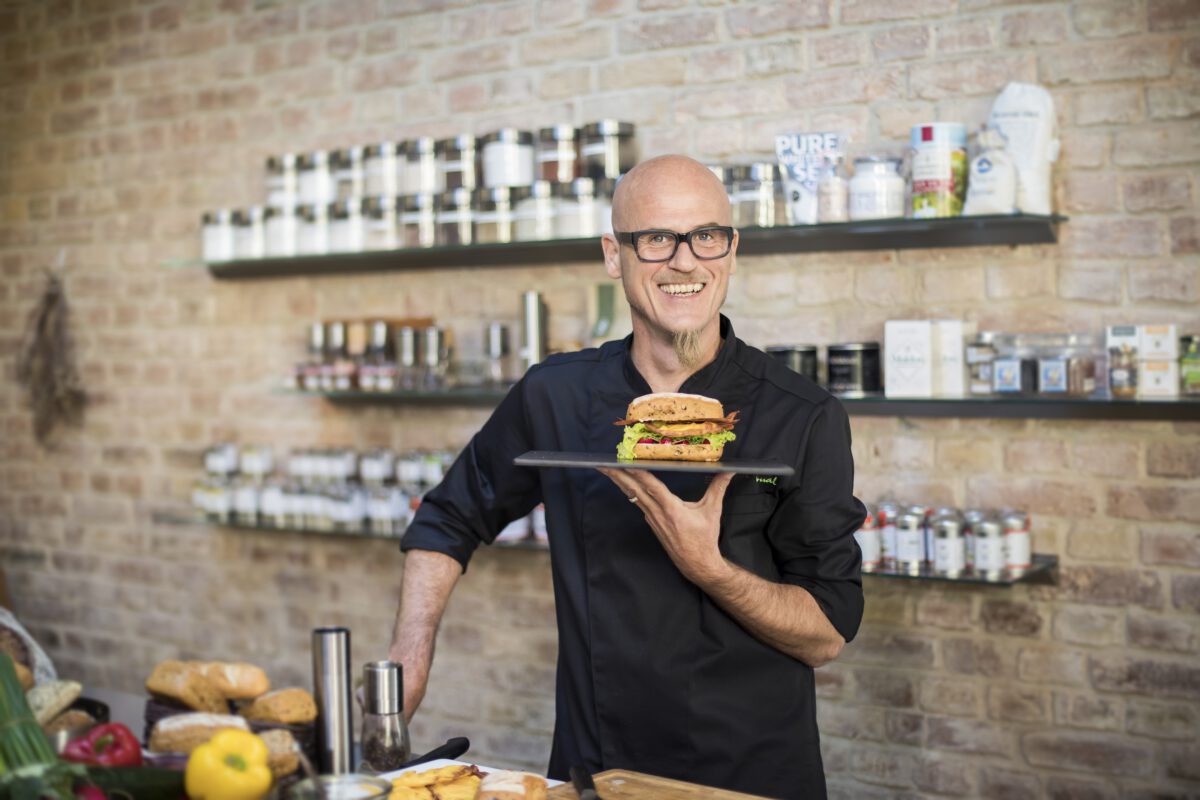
(689, 620)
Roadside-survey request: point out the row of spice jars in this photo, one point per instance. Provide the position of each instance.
(1063, 364)
(945, 541)
(543, 210)
(317, 465)
(605, 149)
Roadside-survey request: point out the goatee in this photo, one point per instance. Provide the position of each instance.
(687, 348)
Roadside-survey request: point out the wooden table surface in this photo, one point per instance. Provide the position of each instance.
(622, 784)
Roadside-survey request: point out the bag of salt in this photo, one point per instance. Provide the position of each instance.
(1023, 113)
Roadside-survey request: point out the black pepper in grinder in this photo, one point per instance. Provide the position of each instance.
(385, 744)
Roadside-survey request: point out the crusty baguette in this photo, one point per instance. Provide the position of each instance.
(291, 706)
(236, 681)
(50, 699)
(175, 680)
(283, 758)
(71, 719)
(679, 452)
(512, 786)
(183, 733)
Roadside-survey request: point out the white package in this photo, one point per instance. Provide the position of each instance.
(1158, 342)
(908, 358)
(992, 182)
(1158, 378)
(948, 364)
(1024, 114)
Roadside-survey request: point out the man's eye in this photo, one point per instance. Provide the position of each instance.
(656, 238)
(704, 236)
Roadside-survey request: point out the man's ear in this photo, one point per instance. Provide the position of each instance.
(733, 253)
(612, 255)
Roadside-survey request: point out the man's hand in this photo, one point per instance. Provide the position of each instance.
(688, 531)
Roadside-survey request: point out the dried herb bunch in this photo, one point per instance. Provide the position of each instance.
(46, 364)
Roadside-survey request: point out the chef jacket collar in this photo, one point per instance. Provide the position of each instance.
(698, 382)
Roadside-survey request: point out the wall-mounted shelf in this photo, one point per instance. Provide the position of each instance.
(1097, 407)
(890, 234)
(1043, 570)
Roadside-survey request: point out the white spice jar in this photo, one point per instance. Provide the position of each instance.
(280, 229)
(419, 172)
(316, 179)
(249, 233)
(508, 158)
(217, 235)
(283, 180)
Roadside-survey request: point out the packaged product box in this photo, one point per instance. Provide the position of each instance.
(908, 358)
(1158, 378)
(1119, 337)
(949, 368)
(1158, 343)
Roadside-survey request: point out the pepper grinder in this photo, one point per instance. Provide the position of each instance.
(385, 743)
(331, 682)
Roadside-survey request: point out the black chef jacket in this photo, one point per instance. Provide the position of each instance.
(652, 675)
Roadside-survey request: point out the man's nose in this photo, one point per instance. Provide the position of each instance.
(684, 259)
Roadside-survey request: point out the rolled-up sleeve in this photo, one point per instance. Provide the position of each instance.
(482, 491)
(812, 529)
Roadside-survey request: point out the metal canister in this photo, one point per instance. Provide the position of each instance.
(885, 514)
(971, 519)
(1018, 549)
(867, 537)
(990, 557)
(949, 549)
(800, 358)
(854, 369)
(926, 514)
(910, 542)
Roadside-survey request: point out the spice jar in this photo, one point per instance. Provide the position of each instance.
(1122, 371)
(283, 180)
(316, 179)
(558, 153)
(385, 742)
(217, 235)
(759, 197)
(584, 209)
(1015, 369)
(381, 225)
(458, 161)
(281, 230)
(349, 179)
(833, 196)
(939, 169)
(419, 172)
(535, 212)
(381, 169)
(249, 233)
(854, 369)
(346, 226)
(798, 358)
(980, 357)
(312, 236)
(455, 219)
(876, 190)
(508, 158)
(724, 174)
(607, 149)
(417, 220)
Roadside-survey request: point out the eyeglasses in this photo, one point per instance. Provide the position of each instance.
(654, 246)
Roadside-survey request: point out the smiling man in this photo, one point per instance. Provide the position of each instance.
(691, 612)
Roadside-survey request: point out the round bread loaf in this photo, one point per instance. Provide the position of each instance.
(672, 406)
(291, 706)
(236, 681)
(183, 733)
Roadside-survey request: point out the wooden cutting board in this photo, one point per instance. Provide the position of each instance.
(622, 784)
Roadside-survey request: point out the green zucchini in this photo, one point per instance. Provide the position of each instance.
(138, 783)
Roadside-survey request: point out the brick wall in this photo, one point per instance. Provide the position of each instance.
(121, 121)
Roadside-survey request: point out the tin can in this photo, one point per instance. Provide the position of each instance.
(949, 548)
(885, 514)
(910, 542)
(926, 513)
(1018, 548)
(854, 369)
(800, 358)
(939, 169)
(971, 519)
(867, 537)
(990, 558)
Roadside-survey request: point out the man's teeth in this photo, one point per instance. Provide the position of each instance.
(681, 288)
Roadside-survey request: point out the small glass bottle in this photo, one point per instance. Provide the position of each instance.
(418, 226)
(558, 154)
(1189, 365)
(535, 212)
(385, 743)
(607, 149)
(980, 357)
(218, 239)
(249, 233)
(1122, 371)
(833, 196)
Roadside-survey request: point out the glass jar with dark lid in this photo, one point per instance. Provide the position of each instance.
(496, 212)
(854, 369)
(508, 158)
(535, 213)
(607, 148)
(418, 220)
(458, 160)
(282, 180)
(312, 235)
(345, 225)
(455, 217)
(800, 358)
(348, 176)
(381, 170)
(419, 166)
(315, 178)
(381, 223)
(558, 153)
(585, 208)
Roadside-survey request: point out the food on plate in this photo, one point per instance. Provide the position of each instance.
(230, 766)
(181, 683)
(291, 706)
(183, 733)
(512, 786)
(282, 751)
(50, 699)
(236, 681)
(451, 782)
(109, 745)
(670, 426)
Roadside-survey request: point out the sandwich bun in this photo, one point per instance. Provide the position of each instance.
(674, 407)
(678, 452)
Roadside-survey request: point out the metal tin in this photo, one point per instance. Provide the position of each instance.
(972, 517)
(990, 557)
(910, 542)
(886, 513)
(607, 148)
(854, 369)
(383, 688)
(926, 514)
(800, 358)
(455, 217)
(867, 537)
(558, 153)
(1018, 553)
(460, 161)
(949, 546)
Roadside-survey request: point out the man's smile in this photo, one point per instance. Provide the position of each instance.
(682, 289)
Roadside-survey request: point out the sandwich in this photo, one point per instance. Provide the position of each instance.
(675, 427)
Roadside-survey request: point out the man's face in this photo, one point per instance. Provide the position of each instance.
(685, 293)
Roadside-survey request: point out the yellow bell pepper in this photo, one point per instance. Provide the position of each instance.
(232, 765)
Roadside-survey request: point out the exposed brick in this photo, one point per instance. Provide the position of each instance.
(851, 722)
(1156, 192)
(1072, 788)
(1168, 634)
(837, 50)
(773, 58)
(1090, 192)
(883, 687)
(1134, 238)
(681, 30)
(942, 776)
(1171, 15)
(1111, 586)
(1176, 143)
(966, 455)
(1105, 105)
(1175, 548)
(1172, 282)
(1175, 721)
(874, 765)
(1015, 704)
(1095, 752)
(1018, 281)
(1003, 784)
(1153, 502)
(950, 612)
(1104, 61)
(1082, 711)
(1185, 235)
(969, 76)
(560, 13)
(1033, 27)
(858, 11)
(1143, 676)
(1104, 20)
(474, 61)
(967, 736)
(1185, 592)
(714, 65)
(901, 43)
(1172, 102)
(267, 24)
(773, 18)
(1183, 761)
(1088, 625)
(896, 650)
(903, 727)
(1052, 664)
(1083, 149)
(952, 696)
(963, 36)
(1048, 497)
(1177, 459)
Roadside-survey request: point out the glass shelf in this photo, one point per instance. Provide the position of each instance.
(887, 234)
(1044, 569)
(1092, 407)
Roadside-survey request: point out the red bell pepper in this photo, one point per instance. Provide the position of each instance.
(109, 745)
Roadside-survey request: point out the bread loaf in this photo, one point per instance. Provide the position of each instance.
(291, 706)
(236, 681)
(512, 786)
(283, 758)
(50, 699)
(175, 680)
(24, 676)
(183, 733)
(69, 720)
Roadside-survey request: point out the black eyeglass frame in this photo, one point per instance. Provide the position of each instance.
(631, 237)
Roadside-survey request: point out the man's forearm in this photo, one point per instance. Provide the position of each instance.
(781, 615)
(429, 578)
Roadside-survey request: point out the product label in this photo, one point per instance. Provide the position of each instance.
(1017, 549)
(868, 542)
(805, 158)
